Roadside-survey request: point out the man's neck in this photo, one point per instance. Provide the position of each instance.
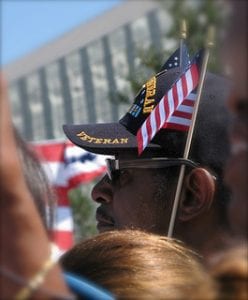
(217, 242)
(205, 240)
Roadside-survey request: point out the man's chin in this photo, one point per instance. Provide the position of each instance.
(101, 227)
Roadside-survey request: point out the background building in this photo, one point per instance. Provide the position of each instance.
(73, 79)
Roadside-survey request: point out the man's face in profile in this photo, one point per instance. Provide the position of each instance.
(132, 200)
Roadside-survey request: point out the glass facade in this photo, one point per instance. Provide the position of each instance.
(34, 95)
(82, 87)
(121, 68)
(56, 99)
(76, 87)
(100, 83)
(16, 110)
(141, 33)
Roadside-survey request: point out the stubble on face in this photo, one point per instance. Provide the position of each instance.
(154, 207)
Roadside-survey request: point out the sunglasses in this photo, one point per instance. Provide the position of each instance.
(115, 165)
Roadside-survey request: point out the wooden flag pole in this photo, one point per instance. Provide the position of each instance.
(209, 45)
(183, 36)
(183, 29)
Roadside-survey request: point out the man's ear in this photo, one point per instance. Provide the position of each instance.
(198, 194)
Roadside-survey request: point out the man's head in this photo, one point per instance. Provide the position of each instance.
(146, 266)
(235, 56)
(141, 192)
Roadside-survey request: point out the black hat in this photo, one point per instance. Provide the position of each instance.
(112, 138)
(102, 138)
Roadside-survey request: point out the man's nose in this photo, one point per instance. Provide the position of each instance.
(102, 191)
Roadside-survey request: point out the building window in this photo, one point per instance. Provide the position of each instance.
(165, 23)
(102, 101)
(118, 53)
(34, 95)
(16, 110)
(142, 40)
(118, 49)
(117, 40)
(100, 82)
(73, 69)
(95, 52)
(141, 33)
(56, 99)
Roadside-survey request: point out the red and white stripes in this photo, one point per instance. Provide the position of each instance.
(181, 118)
(66, 166)
(170, 103)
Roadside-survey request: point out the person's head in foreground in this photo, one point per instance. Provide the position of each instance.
(138, 191)
(230, 270)
(138, 265)
(230, 267)
(235, 58)
(37, 181)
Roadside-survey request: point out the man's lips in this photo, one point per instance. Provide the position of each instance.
(104, 221)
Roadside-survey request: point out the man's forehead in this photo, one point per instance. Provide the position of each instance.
(133, 154)
(126, 155)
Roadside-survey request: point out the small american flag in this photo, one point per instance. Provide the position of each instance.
(170, 106)
(179, 62)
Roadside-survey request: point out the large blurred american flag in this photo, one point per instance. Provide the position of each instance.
(67, 166)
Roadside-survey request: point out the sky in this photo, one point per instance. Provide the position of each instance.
(28, 24)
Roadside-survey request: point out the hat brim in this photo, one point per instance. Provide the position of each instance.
(103, 138)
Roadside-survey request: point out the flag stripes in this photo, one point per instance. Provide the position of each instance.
(181, 118)
(63, 240)
(52, 159)
(166, 107)
(66, 166)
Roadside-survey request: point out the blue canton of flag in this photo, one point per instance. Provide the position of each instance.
(174, 60)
